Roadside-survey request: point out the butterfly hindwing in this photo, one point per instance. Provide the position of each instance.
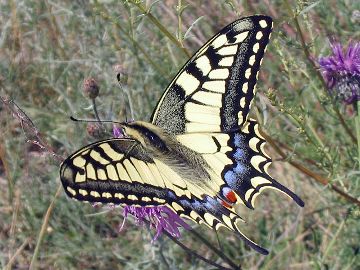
(213, 214)
(214, 89)
(248, 176)
(239, 159)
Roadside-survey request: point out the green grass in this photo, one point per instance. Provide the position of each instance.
(47, 49)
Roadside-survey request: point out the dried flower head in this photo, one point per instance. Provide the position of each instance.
(95, 131)
(160, 218)
(91, 88)
(341, 71)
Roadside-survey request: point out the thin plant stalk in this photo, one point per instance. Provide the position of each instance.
(17, 253)
(43, 228)
(192, 252)
(213, 248)
(333, 240)
(161, 27)
(105, 15)
(95, 110)
(357, 124)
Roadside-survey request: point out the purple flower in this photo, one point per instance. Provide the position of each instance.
(341, 71)
(160, 217)
(117, 132)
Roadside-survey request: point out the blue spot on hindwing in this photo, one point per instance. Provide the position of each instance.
(231, 179)
(185, 203)
(225, 191)
(240, 168)
(172, 195)
(238, 140)
(239, 154)
(196, 205)
(238, 174)
(212, 203)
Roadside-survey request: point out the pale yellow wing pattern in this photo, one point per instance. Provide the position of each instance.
(214, 90)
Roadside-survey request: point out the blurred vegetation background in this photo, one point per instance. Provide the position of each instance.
(48, 48)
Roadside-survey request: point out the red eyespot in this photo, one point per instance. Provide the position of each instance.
(231, 196)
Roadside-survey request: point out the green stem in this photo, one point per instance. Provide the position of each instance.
(43, 228)
(357, 124)
(194, 253)
(319, 141)
(103, 13)
(95, 110)
(213, 248)
(179, 33)
(161, 27)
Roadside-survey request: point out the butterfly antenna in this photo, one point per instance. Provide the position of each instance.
(95, 121)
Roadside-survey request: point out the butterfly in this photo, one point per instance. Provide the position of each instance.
(200, 155)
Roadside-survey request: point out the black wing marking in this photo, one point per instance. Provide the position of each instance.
(214, 89)
(212, 213)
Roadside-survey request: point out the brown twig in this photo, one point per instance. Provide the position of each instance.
(27, 123)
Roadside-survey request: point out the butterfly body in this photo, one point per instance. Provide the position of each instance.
(165, 149)
(200, 155)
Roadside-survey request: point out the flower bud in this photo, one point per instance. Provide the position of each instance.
(95, 130)
(91, 88)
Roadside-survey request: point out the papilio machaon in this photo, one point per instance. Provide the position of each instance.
(200, 154)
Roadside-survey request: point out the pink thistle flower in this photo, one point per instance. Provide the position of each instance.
(341, 71)
(161, 218)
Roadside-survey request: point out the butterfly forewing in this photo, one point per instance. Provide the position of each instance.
(214, 89)
(120, 171)
(115, 171)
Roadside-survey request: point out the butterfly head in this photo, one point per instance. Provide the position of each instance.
(150, 136)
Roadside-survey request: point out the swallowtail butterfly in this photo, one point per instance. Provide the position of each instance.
(200, 154)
